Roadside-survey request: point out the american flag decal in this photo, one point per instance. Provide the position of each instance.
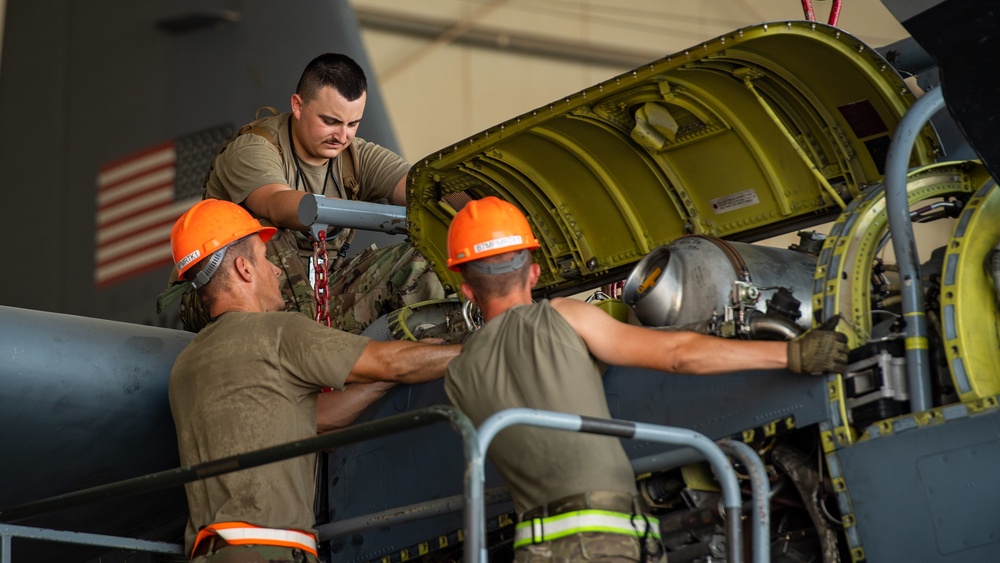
(140, 196)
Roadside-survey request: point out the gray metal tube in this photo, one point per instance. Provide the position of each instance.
(905, 246)
(474, 547)
(761, 493)
(765, 325)
(404, 514)
(638, 431)
(322, 210)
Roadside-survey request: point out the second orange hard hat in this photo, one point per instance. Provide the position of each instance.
(487, 227)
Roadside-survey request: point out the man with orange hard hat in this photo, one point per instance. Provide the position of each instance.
(545, 356)
(251, 379)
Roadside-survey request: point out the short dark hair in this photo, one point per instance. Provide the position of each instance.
(335, 70)
(221, 279)
(491, 286)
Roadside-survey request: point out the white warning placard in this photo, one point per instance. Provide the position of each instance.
(738, 200)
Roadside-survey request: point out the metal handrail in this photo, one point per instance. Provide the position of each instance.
(404, 514)
(475, 445)
(8, 531)
(731, 498)
(474, 503)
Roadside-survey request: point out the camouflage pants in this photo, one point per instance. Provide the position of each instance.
(379, 281)
(375, 282)
(256, 554)
(586, 546)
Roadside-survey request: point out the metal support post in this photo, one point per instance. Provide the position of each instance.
(731, 499)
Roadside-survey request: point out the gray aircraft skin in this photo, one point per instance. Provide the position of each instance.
(861, 470)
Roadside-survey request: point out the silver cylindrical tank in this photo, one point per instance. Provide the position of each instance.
(691, 278)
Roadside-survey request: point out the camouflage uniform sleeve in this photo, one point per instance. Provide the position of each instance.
(248, 163)
(381, 170)
(316, 355)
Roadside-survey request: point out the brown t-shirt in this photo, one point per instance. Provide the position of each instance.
(248, 381)
(531, 357)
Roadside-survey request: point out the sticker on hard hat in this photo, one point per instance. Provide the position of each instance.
(188, 259)
(498, 243)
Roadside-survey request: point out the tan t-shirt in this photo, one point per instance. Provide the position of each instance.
(248, 381)
(251, 161)
(530, 357)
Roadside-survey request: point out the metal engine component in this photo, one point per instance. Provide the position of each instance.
(808, 482)
(447, 319)
(695, 278)
(969, 315)
(844, 272)
(876, 388)
(693, 529)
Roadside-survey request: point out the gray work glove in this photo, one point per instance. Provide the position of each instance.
(819, 350)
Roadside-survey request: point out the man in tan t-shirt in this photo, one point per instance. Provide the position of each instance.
(252, 379)
(544, 356)
(277, 160)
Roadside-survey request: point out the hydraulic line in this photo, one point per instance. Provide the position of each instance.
(905, 246)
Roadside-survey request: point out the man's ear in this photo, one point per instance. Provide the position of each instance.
(297, 104)
(533, 274)
(242, 267)
(467, 291)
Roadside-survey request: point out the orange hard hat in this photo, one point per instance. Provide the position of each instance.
(210, 225)
(487, 227)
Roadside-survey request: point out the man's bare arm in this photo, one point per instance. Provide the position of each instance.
(338, 408)
(399, 192)
(277, 203)
(680, 352)
(402, 362)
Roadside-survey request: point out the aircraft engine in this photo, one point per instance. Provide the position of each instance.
(730, 285)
